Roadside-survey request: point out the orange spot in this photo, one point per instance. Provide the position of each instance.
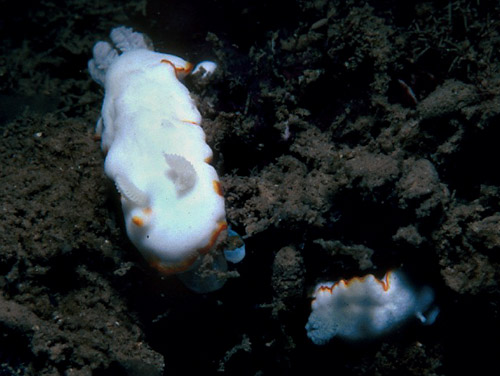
(384, 282)
(218, 188)
(173, 268)
(190, 122)
(208, 160)
(147, 211)
(180, 72)
(221, 226)
(326, 288)
(138, 221)
(165, 61)
(185, 70)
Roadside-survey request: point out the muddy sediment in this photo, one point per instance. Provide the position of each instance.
(350, 137)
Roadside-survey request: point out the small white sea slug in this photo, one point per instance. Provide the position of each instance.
(157, 156)
(364, 308)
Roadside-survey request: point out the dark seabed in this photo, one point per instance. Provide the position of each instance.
(351, 137)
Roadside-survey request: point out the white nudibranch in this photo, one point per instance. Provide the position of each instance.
(364, 308)
(157, 156)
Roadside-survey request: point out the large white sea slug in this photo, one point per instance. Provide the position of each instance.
(363, 308)
(158, 158)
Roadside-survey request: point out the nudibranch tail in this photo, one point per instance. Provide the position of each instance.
(181, 173)
(209, 276)
(235, 251)
(170, 269)
(429, 312)
(429, 317)
(131, 192)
